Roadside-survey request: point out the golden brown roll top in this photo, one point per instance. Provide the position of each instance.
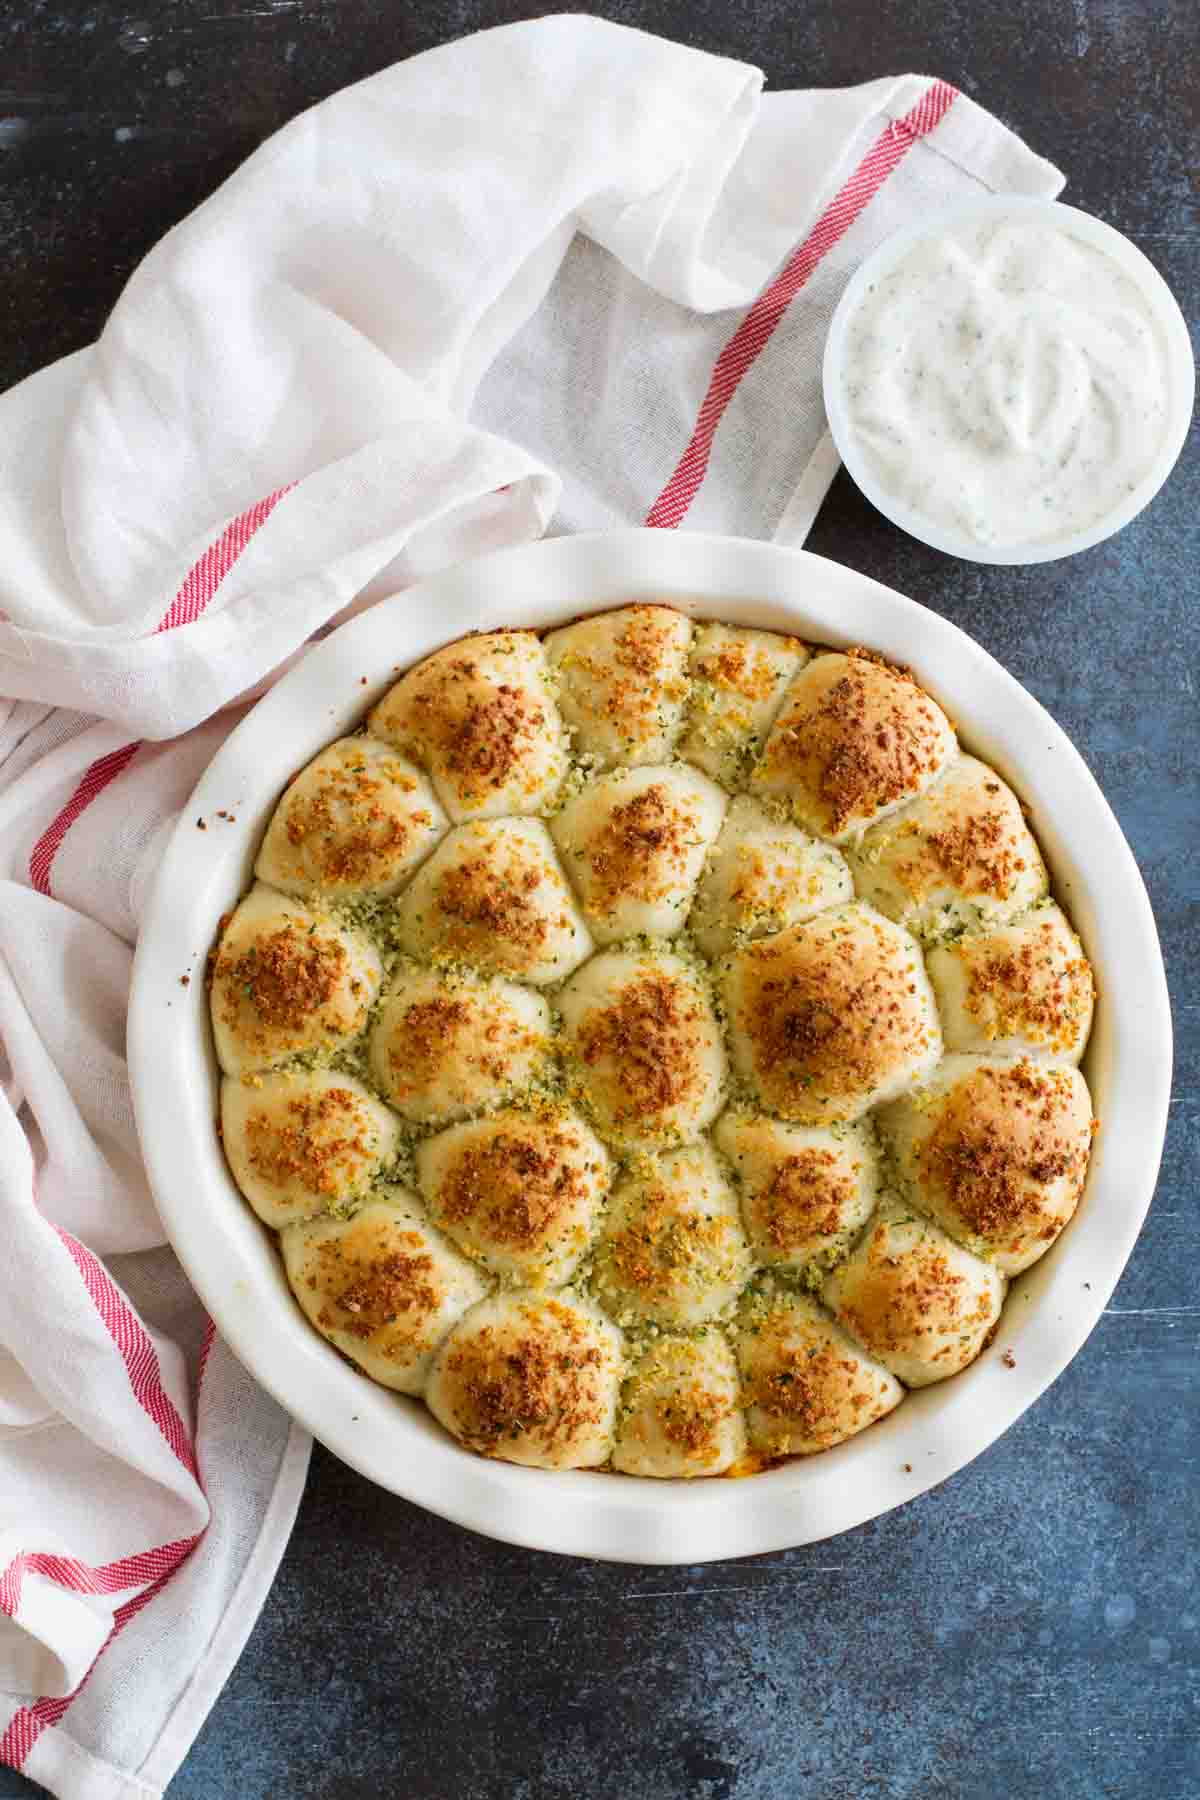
(382, 1286)
(480, 716)
(644, 1049)
(805, 1191)
(961, 855)
(621, 680)
(920, 1303)
(854, 740)
(806, 1385)
(739, 678)
(530, 1380)
(519, 1191)
(634, 843)
(285, 980)
(830, 1017)
(304, 1142)
(493, 895)
(680, 1413)
(671, 1250)
(355, 822)
(995, 1151)
(446, 1045)
(1023, 989)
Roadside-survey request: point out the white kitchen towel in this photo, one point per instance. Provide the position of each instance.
(555, 276)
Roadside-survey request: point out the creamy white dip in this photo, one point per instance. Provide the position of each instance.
(1007, 381)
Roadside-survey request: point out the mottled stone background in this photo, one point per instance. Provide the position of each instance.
(1033, 1626)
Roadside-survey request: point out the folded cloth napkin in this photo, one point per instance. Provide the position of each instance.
(556, 276)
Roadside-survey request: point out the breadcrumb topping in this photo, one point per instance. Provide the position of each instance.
(1029, 988)
(868, 740)
(286, 976)
(646, 643)
(805, 1385)
(541, 1379)
(479, 902)
(691, 1419)
(642, 850)
(291, 989)
(736, 667)
(807, 1197)
(487, 744)
(517, 1186)
(394, 1290)
(980, 854)
(762, 881)
(322, 1143)
(1005, 1136)
(653, 1033)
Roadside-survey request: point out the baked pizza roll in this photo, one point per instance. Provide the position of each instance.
(830, 1017)
(353, 824)
(382, 1286)
(806, 1191)
(443, 1046)
(672, 1250)
(961, 855)
(1024, 989)
(493, 895)
(634, 843)
(920, 1303)
(854, 740)
(622, 683)
(996, 1151)
(806, 1385)
(304, 1142)
(680, 1414)
(643, 1047)
(285, 981)
(519, 1192)
(531, 1380)
(480, 716)
(763, 874)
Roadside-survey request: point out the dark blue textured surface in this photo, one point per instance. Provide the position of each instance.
(1031, 1628)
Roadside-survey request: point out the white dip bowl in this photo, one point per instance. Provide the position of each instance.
(1034, 347)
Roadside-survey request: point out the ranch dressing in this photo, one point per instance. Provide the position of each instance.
(1006, 380)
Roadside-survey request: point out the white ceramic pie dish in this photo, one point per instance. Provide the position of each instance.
(231, 1259)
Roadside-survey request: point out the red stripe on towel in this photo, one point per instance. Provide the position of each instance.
(136, 1349)
(205, 577)
(161, 1564)
(94, 780)
(199, 586)
(754, 333)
